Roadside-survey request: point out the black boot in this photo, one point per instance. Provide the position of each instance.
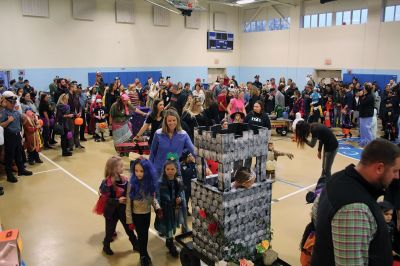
(11, 178)
(144, 261)
(135, 244)
(110, 133)
(171, 247)
(107, 249)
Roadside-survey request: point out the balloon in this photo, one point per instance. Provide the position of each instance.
(79, 121)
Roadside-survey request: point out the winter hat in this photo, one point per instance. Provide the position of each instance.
(124, 97)
(385, 206)
(184, 156)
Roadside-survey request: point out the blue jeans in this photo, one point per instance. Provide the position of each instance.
(366, 135)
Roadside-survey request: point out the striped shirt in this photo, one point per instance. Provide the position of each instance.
(353, 228)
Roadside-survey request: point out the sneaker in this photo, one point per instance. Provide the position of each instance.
(12, 179)
(25, 173)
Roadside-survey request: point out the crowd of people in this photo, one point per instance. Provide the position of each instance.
(32, 119)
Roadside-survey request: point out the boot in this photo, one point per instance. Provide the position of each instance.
(172, 248)
(67, 153)
(135, 244)
(144, 261)
(38, 160)
(107, 249)
(110, 133)
(11, 178)
(25, 173)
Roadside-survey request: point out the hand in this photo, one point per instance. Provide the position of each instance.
(208, 171)
(136, 138)
(159, 213)
(131, 226)
(122, 200)
(178, 200)
(10, 119)
(290, 156)
(319, 155)
(78, 115)
(70, 115)
(144, 114)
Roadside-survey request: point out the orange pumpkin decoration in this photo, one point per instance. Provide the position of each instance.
(78, 121)
(40, 122)
(103, 125)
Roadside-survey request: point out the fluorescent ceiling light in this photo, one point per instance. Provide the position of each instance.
(243, 2)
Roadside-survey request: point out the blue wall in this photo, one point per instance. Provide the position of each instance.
(40, 78)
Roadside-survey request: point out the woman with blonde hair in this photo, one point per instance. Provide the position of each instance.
(194, 117)
(63, 117)
(170, 139)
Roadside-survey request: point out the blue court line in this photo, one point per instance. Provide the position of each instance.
(289, 183)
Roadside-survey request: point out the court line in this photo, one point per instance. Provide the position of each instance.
(51, 170)
(88, 187)
(289, 183)
(296, 192)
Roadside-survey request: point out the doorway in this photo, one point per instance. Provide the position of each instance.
(327, 74)
(213, 73)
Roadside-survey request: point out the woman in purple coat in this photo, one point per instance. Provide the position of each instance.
(169, 139)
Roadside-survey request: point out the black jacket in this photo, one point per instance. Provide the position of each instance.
(258, 120)
(344, 188)
(367, 103)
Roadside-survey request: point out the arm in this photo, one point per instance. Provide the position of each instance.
(7, 122)
(138, 111)
(143, 129)
(312, 142)
(228, 108)
(154, 148)
(128, 209)
(189, 145)
(353, 228)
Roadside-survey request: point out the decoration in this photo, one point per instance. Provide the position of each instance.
(269, 256)
(40, 122)
(78, 121)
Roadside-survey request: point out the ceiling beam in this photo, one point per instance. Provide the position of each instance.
(281, 3)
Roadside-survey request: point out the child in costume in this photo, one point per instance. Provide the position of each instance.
(33, 141)
(112, 200)
(316, 109)
(346, 122)
(387, 212)
(272, 159)
(141, 196)
(329, 108)
(99, 114)
(188, 172)
(172, 201)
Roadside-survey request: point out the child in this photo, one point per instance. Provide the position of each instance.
(141, 196)
(172, 201)
(297, 120)
(32, 137)
(389, 121)
(272, 158)
(99, 114)
(387, 211)
(237, 117)
(316, 109)
(329, 107)
(113, 192)
(346, 122)
(189, 172)
(244, 178)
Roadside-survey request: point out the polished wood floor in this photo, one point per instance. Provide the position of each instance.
(53, 208)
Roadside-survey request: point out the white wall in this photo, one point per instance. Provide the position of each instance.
(61, 42)
(371, 46)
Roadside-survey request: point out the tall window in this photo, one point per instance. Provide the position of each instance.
(392, 13)
(278, 24)
(317, 20)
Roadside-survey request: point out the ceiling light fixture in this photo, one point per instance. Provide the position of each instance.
(243, 2)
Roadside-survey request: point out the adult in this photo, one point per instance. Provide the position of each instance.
(198, 92)
(133, 95)
(153, 120)
(27, 103)
(366, 112)
(211, 108)
(169, 139)
(10, 120)
(83, 100)
(257, 118)
(350, 227)
(327, 140)
(20, 83)
(194, 117)
(53, 88)
(62, 88)
(298, 104)
(186, 90)
(279, 97)
(29, 89)
(120, 114)
(48, 119)
(110, 98)
(254, 96)
(177, 100)
(222, 104)
(256, 82)
(236, 105)
(152, 93)
(63, 117)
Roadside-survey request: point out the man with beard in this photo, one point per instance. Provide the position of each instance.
(350, 228)
(62, 88)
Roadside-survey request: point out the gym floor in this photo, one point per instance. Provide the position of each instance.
(53, 208)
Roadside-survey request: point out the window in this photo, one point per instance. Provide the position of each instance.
(329, 19)
(278, 24)
(339, 18)
(364, 16)
(357, 16)
(356, 19)
(255, 26)
(317, 20)
(307, 21)
(392, 13)
(322, 20)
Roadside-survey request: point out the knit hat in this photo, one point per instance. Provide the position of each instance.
(184, 156)
(385, 206)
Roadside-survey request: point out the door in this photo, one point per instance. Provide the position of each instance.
(327, 74)
(213, 73)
